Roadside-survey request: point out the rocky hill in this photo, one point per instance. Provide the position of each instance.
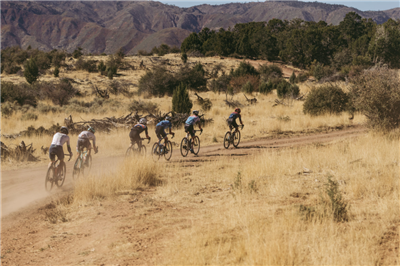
(105, 26)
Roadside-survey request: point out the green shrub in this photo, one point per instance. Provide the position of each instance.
(292, 78)
(88, 65)
(270, 71)
(31, 71)
(10, 68)
(60, 93)
(265, 87)
(56, 72)
(285, 89)
(247, 87)
(211, 53)
(184, 57)
(23, 94)
(320, 71)
(364, 61)
(77, 53)
(326, 99)
(244, 69)
(157, 82)
(44, 108)
(8, 108)
(29, 116)
(181, 102)
(376, 93)
(144, 107)
(101, 67)
(194, 78)
(301, 77)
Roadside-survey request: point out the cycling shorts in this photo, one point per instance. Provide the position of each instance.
(56, 150)
(160, 132)
(232, 123)
(134, 135)
(190, 129)
(84, 143)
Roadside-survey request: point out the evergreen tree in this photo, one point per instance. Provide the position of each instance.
(184, 57)
(292, 78)
(181, 102)
(31, 71)
(56, 72)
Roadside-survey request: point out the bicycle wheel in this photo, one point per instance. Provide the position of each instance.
(155, 152)
(236, 139)
(227, 140)
(143, 150)
(128, 152)
(77, 168)
(168, 150)
(49, 178)
(196, 145)
(88, 165)
(184, 147)
(61, 176)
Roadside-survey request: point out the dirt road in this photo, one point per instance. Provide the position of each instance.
(20, 188)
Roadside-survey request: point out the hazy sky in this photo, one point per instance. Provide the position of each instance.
(361, 5)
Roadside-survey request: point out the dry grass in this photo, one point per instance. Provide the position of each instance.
(266, 227)
(128, 176)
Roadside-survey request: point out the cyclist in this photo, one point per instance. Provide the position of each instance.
(232, 119)
(56, 147)
(84, 141)
(189, 126)
(134, 135)
(160, 130)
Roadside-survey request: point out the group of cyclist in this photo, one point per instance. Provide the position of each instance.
(84, 138)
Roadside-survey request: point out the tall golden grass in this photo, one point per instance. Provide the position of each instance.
(265, 226)
(129, 175)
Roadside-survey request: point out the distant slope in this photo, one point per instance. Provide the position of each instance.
(106, 26)
(171, 36)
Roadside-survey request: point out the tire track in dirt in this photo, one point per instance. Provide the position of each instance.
(23, 187)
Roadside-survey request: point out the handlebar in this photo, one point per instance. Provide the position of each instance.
(70, 156)
(146, 138)
(201, 131)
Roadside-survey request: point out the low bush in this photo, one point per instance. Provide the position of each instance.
(29, 116)
(211, 53)
(320, 71)
(194, 77)
(238, 83)
(376, 93)
(270, 71)
(285, 89)
(144, 107)
(60, 93)
(116, 88)
(265, 87)
(301, 77)
(23, 94)
(157, 82)
(247, 87)
(326, 99)
(44, 108)
(88, 65)
(244, 69)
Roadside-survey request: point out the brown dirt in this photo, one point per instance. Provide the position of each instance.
(102, 232)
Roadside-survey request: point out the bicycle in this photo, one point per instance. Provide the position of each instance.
(194, 143)
(83, 161)
(232, 138)
(53, 176)
(137, 148)
(158, 150)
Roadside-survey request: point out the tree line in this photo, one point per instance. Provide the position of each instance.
(355, 41)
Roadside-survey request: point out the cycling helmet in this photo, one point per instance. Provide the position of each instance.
(237, 110)
(91, 129)
(168, 118)
(195, 112)
(64, 130)
(143, 121)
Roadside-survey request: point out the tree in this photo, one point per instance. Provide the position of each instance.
(181, 102)
(292, 78)
(56, 72)
(31, 71)
(77, 53)
(192, 42)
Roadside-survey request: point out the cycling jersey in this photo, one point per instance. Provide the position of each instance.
(235, 115)
(88, 135)
(192, 120)
(139, 128)
(165, 124)
(59, 139)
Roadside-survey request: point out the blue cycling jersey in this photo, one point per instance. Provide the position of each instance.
(192, 120)
(234, 115)
(165, 124)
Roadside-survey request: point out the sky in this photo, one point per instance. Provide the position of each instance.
(361, 5)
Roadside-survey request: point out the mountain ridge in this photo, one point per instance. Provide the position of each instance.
(105, 26)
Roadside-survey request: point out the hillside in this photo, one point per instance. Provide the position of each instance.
(106, 26)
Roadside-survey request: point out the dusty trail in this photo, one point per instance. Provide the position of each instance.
(23, 187)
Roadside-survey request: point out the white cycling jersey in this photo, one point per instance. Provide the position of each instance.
(88, 135)
(59, 139)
